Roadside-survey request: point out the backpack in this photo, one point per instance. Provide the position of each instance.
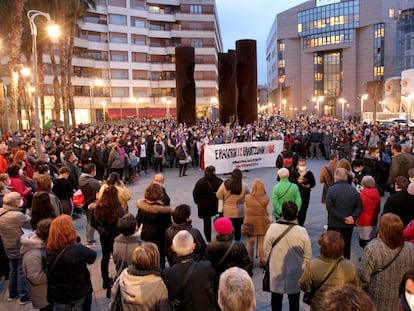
(288, 163)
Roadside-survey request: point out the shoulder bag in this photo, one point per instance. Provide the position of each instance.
(266, 270)
(177, 301)
(307, 296)
(386, 266)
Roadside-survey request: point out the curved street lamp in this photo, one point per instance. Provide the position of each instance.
(53, 32)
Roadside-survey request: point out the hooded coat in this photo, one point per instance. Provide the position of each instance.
(371, 202)
(33, 251)
(141, 290)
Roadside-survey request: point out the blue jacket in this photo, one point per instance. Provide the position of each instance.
(342, 200)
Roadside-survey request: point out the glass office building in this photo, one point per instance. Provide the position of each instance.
(334, 51)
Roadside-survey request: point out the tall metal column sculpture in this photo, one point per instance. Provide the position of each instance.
(227, 86)
(246, 68)
(185, 85)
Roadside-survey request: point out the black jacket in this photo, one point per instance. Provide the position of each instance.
(70, 278)
(200, 249)
(197, 294)
(237, 257)
(204, 195)
(401, 203)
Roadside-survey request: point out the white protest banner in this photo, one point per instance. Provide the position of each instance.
(244, 156)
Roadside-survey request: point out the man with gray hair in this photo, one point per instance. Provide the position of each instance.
(284, 191)
(12, 220)
(189, 282)
(343, 204)
(236, 291)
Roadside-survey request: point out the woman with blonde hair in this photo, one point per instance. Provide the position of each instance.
(69, 280)
(256, 220)
(384, 262)
(143, 276)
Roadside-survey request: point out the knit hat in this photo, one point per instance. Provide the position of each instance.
(223, 226)
(368, 181)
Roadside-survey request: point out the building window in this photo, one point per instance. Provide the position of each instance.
(117, 19)
(139, 91)
(328, 79)
(117, 37)
(120, 3)
(137, 4)
(119, 56)
(120, 91)
(196, 9)
(329, 38)
(138, 39)
(137, 22)
(378, 55)
(119, 73)
(197, 44)
(328, 18)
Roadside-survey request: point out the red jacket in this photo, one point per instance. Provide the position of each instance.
(371, 201)
(409, 232)
(3, 164)
(16, 184)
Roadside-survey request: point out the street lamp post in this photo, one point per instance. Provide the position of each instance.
(318, 100)
(343, 101)
(31, 15)
(104, 111)
(363, 97)
(92, 84)
(284, 101)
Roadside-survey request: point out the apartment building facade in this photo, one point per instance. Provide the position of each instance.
(124, 63)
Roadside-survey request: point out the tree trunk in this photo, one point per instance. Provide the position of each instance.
(70, 70)
(15, 45)
(3, 108)
(63, 86)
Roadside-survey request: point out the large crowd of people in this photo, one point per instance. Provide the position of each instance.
(162, 262)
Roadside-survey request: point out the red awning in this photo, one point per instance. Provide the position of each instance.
(131, 113)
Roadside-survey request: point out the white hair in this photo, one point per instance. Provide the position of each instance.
(283, 173)
(236, 291)
(183, 243)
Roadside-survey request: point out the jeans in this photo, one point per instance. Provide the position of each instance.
(17, 282)
(75, 305)
(277, 300)
(89, 229)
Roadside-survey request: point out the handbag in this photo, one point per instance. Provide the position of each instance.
(266, 269)
(308, 296)
(78, 198)
(117, 304)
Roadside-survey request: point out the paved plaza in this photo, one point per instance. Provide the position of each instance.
(180, 191)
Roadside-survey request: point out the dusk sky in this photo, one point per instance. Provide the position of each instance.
(248, 19)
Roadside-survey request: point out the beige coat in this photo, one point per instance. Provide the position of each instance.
(326, 177)
(233, 203)
(257, 213)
